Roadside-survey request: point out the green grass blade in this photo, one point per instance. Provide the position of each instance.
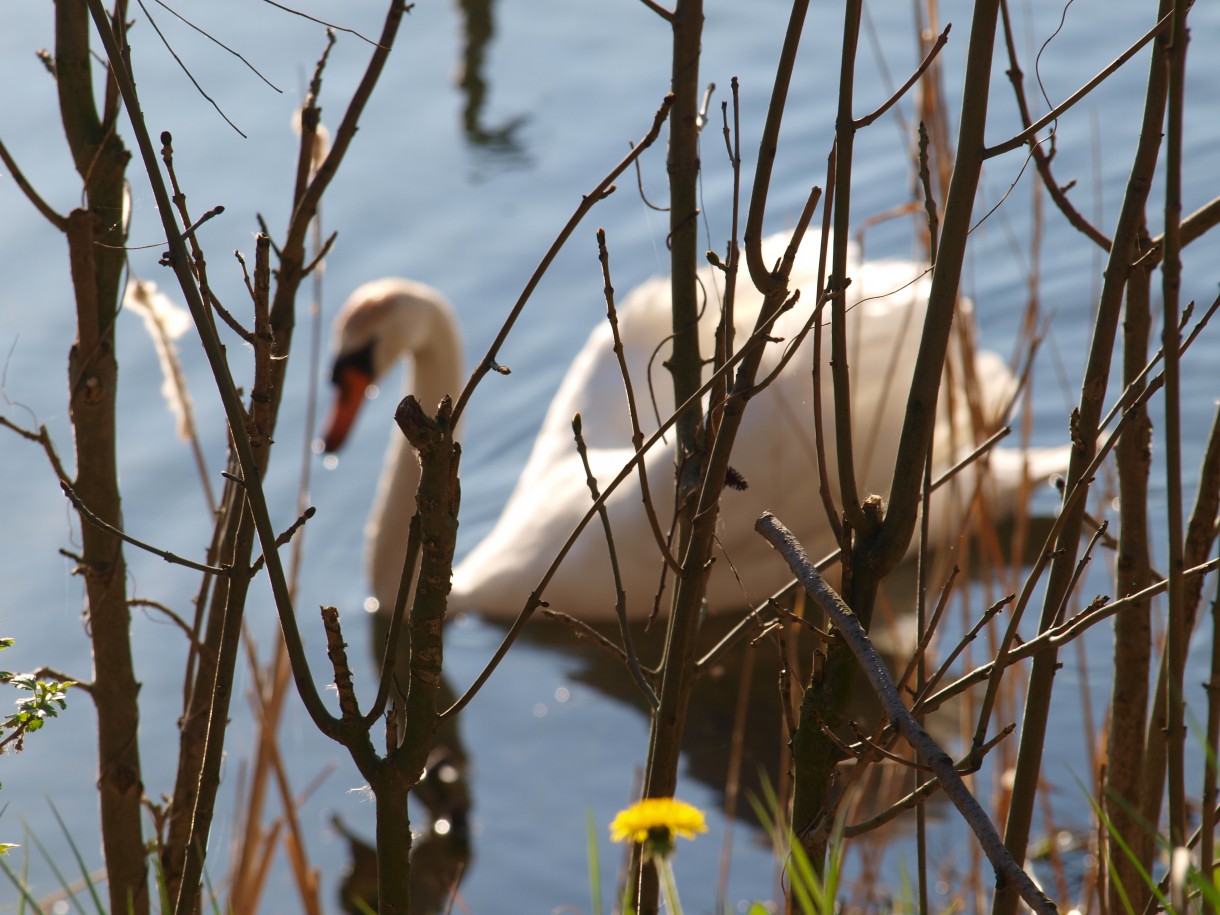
(1125, 848)
(595, 873)
(80, 859)
(22, 888)
(62, 878)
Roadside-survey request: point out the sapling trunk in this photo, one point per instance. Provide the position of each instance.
(1084, 437)
(1123, 785)
(686, 368)
(96, 236)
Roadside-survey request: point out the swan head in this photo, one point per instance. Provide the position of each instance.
(380, 323)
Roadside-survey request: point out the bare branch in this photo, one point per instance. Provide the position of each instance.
(659, 10)
(284, 538)
(1028, 134)
(60, 222)
(620, 600)
(637, 436)
(336, 650)
(603, 189)
(902, 90)
(212, 38)
(93, 519)
(185, 69)
(173, 618)
(329, 25)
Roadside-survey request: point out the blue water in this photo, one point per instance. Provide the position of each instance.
(569, 84)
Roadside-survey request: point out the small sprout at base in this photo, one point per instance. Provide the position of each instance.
(5, 846)
(656, 821)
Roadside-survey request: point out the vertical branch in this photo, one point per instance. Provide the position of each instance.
(1124, 782)
(1203, 528)
(845, 135)
(1171, 275)
(686, 367)
(879, 545)
(920, 417)
(244, 515)
(702, 475)
(437, 504)
(95, 239)
(93, 381)
(1084, 437)
(685, 364)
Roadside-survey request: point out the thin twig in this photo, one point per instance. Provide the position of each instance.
(637, 436)
(915, 798)
(603, 189)
(1028, 134)
(60, 222)
(902, 90)
(329, 25)
(583, 630)
(53, 673)
(173, 618)
(42, 437)
(1098, 611)
(321, 255)
(93, 519)
(284, 538)
(1041, 159)
(212, 38)
(185, 69)
(620, 599)
(1134, 394)
(659, 10)
(929, 629)
(639, 180)
(752, 620)
(962, 643)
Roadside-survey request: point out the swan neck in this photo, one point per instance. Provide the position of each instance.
(435, 370)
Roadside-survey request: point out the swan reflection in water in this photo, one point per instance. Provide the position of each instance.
(390, 320)
(478, 28)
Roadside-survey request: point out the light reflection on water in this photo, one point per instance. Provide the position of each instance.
(464, 191)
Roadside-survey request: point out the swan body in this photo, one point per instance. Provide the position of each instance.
(774, 450)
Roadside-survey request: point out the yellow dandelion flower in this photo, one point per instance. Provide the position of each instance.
(658, 819)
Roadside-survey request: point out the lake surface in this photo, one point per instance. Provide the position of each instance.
(466, 193)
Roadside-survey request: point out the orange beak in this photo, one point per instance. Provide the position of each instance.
(350, 385)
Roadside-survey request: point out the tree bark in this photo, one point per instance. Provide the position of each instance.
(96, 235)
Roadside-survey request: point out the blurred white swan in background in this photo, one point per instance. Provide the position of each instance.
(393, 319)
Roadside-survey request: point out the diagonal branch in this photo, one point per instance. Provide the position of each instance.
(902, 90)
(93, 519)
(1028, 134)
(60, 222)
(604, 188)
(1008, 871)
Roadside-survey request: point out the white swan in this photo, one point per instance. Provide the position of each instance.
(389, 319)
